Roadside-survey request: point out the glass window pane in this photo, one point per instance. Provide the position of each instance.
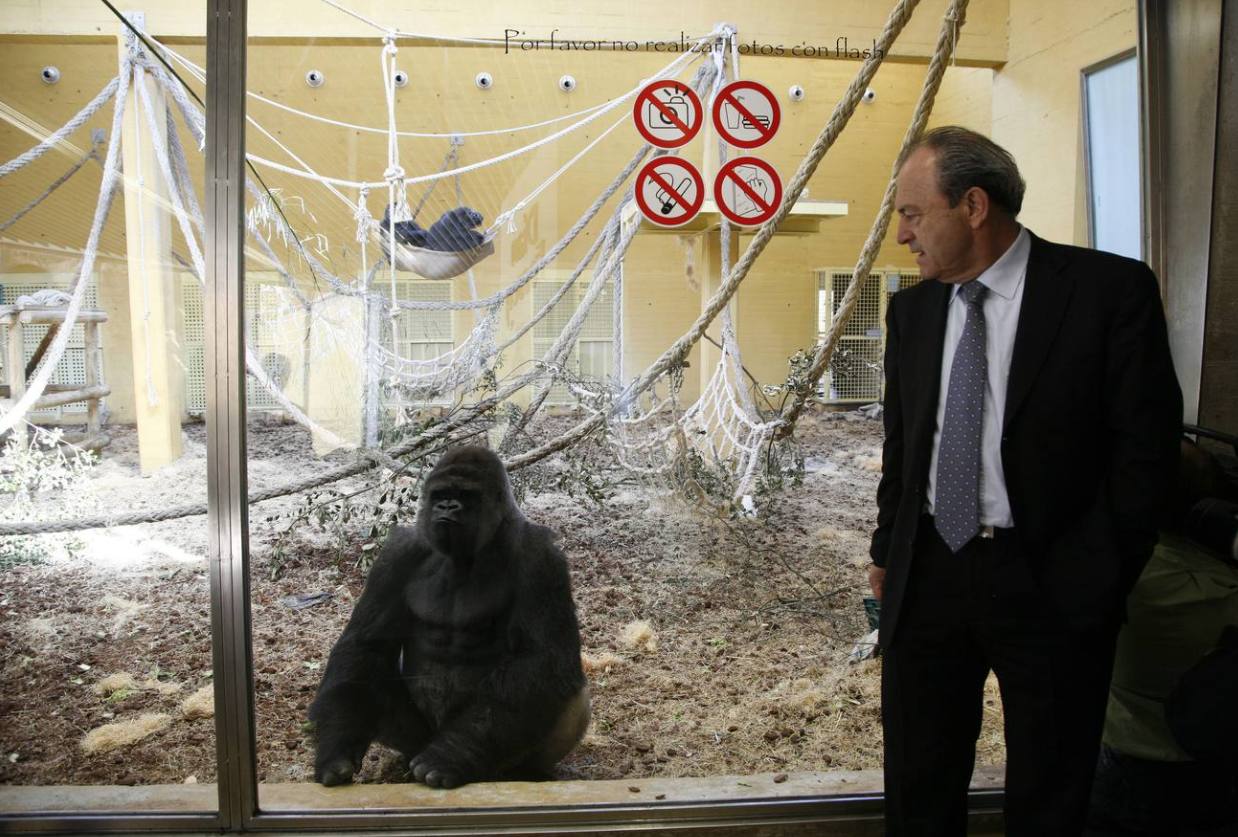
(105, 639)
(1114, 169)
(703, 662)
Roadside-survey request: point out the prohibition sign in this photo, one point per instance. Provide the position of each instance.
(746, 114)
(668, 119)
(669, 191)
(748, 191)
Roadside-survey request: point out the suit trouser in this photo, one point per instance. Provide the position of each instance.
(963, 615)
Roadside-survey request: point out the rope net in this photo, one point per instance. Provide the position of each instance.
(452, 294)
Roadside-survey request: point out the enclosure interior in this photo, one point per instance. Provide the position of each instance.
(718, 571)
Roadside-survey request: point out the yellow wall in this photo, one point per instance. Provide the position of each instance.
(788, 22)
(1031, 105)
(1036, 101)
(966, 99)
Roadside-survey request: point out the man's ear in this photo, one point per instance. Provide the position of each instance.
(976, 206)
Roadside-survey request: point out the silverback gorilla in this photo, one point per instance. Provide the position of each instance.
(463, 652)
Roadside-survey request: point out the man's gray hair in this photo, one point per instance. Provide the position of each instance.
(966, 159)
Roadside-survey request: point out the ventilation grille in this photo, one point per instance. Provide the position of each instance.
(592, 356)
(420, 335)
(263, 309)
(855, 373)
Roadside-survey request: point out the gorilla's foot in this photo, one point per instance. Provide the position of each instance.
(435, 772)
(337, 771)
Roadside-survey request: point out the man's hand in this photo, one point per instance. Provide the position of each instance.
(876, 580)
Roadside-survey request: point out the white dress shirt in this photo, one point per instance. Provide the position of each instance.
(1004, 279)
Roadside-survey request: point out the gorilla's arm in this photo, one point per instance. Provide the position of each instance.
(363, 668)
(453, 231)
(523, 698)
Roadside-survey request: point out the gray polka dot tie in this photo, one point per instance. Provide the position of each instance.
(956, 504)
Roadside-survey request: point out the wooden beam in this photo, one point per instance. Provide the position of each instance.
(42, 349)
(157, 398)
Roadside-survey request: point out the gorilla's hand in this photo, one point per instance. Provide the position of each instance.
(337, 770)
(436, 769)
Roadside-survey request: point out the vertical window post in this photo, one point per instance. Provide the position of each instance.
(224, 317)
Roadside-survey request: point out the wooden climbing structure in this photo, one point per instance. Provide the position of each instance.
(17, 370)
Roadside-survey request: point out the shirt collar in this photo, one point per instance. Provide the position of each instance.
(1005, 276)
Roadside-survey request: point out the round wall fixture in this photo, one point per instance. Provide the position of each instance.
(795, 93)
(50, 75)
(567, 83)
(869, 95)
(400, 78)
(315, 78)
(484, 81)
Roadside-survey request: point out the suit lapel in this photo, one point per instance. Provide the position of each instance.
(1046, 291)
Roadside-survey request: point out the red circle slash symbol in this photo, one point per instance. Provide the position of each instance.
(668, 114)
(669, 191)
(746, 114)
(748, 191)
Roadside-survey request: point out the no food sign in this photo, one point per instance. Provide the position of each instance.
(746, 114)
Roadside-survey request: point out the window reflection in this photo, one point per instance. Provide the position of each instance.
(105, 644)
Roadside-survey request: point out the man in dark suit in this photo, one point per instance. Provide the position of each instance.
(1032, 418)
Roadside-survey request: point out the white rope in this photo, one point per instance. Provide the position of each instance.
(616, 325)
(427, 379)
(562, 290)
(22, 160)
(947, 41)
(717, 424)
(506, 216)
(196, 122)
(550, 255)
(675, 354)
(734, 42)
(200, 74)
(456, 142)
(397, 204)
(481, 164)
(426, 178)
(730, 343)
(107, 191)
(702, 78)
(165, 154)
(92, 154)
(555, 361)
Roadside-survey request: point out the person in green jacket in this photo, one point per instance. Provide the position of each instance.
(1146, 782)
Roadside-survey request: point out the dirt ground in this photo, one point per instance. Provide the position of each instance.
(744, 669)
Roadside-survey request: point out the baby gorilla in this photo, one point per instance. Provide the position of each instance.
(463, 651)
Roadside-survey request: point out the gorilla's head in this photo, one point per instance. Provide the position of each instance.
(465, 501)
(464, 216)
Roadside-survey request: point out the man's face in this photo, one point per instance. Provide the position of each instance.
(939, 235)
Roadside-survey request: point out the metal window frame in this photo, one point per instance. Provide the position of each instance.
(228, 557)
(1180, 48)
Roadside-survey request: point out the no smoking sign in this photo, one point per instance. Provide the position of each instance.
(669, 191)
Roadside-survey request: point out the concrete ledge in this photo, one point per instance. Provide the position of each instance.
(308, 798)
